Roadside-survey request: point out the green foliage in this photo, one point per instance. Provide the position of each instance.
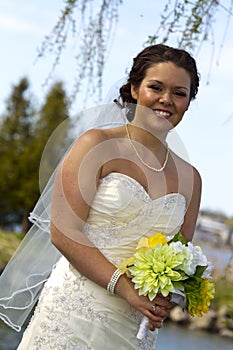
(9, 241)
(23, 136)
(16, 135)
(179, 238)
(190, 22)
(52, 114)
(91, 25)
(91, 28)
(200, 270)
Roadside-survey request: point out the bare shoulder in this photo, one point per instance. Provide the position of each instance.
(92, 136)
(92, 147)
(195, 175)
(87, 141)
(189, 178)
(95, 136)
(186, 166)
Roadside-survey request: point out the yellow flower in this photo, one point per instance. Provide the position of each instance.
(199, 296)
(126, 264)
(152, 241)
(143, 243)
(159, 238)
(142, 246)
(206, 294)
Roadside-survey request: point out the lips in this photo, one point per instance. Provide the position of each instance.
(162, 114)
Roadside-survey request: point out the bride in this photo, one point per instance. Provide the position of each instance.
(114, 186)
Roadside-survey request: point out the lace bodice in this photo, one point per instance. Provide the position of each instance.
(122, 212)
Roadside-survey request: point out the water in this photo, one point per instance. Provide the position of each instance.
(219, 257)
(171, 337)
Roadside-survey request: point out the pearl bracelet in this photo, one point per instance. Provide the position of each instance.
(113, 281)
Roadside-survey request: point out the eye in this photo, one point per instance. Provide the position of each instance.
(180, 93)
(156, 88)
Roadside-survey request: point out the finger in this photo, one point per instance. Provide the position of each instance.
(154, 319)
(153, 325)
(160, 311)
(162, 301)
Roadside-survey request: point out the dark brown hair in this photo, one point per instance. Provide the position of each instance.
(156, 54)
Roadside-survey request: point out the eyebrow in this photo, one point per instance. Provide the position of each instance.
(161, 83)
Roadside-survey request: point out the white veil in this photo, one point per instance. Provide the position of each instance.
(31, 264)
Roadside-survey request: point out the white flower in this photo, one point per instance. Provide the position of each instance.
(195, 258)
(180, 248)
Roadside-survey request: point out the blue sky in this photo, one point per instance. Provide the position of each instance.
(206, 130)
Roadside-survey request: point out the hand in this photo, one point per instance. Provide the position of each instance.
(161, 307)
(156, 311)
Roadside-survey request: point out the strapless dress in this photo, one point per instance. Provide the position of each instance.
(74, 313)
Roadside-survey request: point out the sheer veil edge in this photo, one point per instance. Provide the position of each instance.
(29, 268)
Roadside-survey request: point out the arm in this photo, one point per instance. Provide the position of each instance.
(190, 219)
(75, 187)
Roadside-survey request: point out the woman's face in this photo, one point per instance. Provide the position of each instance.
(165, 90)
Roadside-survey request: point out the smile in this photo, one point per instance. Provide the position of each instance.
(162, 114)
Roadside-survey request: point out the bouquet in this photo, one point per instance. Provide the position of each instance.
(171, 267)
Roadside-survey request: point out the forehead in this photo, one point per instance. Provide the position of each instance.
(168, 73)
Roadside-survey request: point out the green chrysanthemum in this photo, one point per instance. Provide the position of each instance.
(156, 270)
(199, 293)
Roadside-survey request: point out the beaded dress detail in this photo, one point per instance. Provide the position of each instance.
(73, 312)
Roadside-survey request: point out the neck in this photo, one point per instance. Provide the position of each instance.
(152, 139)
(158, 153)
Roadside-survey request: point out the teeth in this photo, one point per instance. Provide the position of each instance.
(162, 113)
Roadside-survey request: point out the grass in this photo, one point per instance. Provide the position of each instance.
(9, 241)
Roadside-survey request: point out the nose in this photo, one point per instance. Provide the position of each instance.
(166, 98)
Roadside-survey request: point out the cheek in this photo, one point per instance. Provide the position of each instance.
(183, 106)
(187, 106)
(147, 95)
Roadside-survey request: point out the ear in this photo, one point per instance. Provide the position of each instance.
(134, 92)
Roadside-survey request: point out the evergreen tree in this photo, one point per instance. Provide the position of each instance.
(16, 134)
(23, 136)
(52, 114)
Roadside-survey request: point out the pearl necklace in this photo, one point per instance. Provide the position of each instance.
(140, 158)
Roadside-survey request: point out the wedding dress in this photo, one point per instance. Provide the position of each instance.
(73, 312)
